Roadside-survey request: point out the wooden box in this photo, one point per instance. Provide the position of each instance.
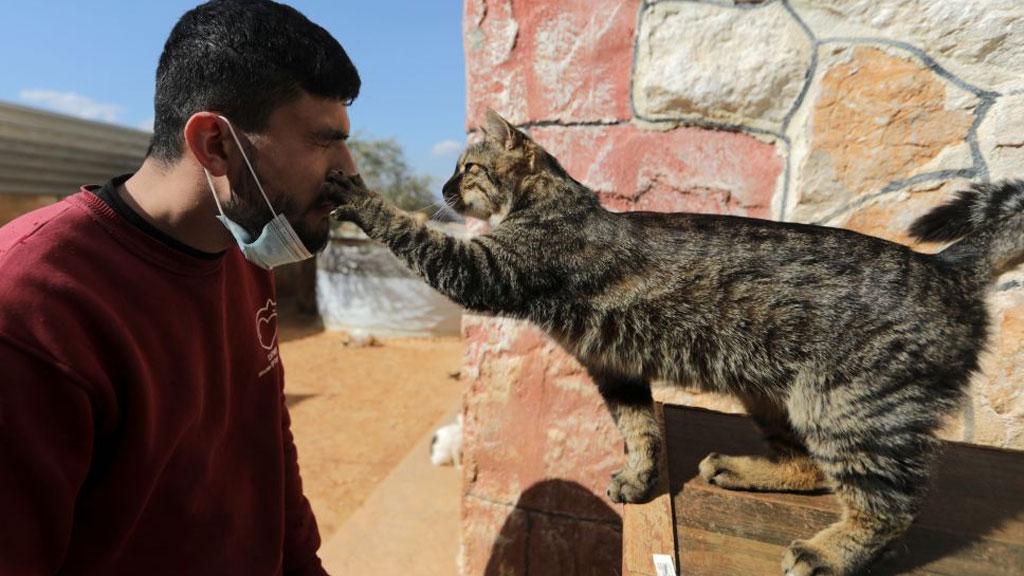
(972, 524)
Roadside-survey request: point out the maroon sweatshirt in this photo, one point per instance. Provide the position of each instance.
(143, 428)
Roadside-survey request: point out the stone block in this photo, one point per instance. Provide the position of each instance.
(716, 63)
(998, 398)
(874, 118)
(503, 540)
(532, 414)
(1001, 138)
(493, 539)
(981, 41)
(560, 546)
(681, 170)
(889, 216)
(546, 61)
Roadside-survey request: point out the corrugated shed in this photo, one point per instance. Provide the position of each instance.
(43, 153)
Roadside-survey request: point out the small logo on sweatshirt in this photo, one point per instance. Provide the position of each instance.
(266, 331)
(266, 325)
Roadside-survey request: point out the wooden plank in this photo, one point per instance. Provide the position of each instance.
(647, 529)
(972, 524)
(703, 553)
(704, 507)
(725, 513)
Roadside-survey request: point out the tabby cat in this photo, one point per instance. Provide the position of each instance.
(847, 350)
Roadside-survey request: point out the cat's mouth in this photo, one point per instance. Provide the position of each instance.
(454, 201)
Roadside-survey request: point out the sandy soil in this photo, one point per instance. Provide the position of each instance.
(356, 412)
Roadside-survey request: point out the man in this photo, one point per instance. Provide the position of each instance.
(143, 428)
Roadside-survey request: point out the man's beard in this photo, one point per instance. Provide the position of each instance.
(249, 210)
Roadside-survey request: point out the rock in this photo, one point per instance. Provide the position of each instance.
(891, 215)
(980, 41)
(680, 170)
(1001, 138)
(545, 61)
(874, 117)
(720, 64)
(998, 401)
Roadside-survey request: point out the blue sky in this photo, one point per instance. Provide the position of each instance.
(97, 59)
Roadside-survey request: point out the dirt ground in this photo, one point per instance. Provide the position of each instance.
(357, 411)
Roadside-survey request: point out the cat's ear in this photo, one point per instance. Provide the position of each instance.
(502, 130)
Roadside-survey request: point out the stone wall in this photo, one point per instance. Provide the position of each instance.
(853, 113)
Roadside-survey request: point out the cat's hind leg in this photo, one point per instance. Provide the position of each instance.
(632, 408)
(788, 469)
(878, 508)
(876, 445)
(761, 474)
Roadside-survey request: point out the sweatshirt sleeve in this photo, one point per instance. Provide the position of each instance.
(301, 536)
(46, 440)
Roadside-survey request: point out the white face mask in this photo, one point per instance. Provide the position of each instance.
(277, 244)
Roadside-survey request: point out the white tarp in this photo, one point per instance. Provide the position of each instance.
(360, 285)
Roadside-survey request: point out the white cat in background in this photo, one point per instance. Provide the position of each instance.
(446, 448)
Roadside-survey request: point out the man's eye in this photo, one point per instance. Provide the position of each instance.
(329, 139)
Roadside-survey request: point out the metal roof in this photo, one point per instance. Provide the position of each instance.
(53, 154)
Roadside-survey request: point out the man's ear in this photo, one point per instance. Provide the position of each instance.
(502, 130)
(208, 139)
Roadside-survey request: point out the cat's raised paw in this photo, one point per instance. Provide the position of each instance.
(346, 192)
(632, 486)
(804, 559)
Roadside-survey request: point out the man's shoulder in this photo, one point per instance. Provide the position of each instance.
(31, 233)
(45, 253)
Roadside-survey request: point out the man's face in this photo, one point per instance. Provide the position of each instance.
(303, 142)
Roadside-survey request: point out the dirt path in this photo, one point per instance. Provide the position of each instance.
(356, 412)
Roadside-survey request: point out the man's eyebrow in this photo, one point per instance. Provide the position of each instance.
(330, 134)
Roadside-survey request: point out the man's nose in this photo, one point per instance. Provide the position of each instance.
(344, 160)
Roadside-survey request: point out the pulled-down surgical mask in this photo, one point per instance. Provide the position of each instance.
(277, 244)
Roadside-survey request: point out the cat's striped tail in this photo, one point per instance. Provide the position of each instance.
(989, 218)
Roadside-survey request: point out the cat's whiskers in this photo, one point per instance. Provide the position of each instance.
(440, 204)
(447, 204)
(428, 206)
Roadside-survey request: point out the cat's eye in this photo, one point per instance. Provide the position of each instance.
(468, 165)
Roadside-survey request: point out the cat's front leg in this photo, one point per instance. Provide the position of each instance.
(632, 408)
(481, 274)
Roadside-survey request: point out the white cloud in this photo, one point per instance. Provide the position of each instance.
(446, 148)
(146, 124)
(73, 104)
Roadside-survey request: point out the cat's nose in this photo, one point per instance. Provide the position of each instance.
(450, 188)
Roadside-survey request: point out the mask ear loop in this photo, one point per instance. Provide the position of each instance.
(214, 190)
(247, 163)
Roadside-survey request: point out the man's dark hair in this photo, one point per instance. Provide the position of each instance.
(243, 58)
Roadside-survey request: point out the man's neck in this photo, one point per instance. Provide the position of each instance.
(176, 199)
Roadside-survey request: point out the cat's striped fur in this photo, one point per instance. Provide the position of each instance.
(846, 349)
